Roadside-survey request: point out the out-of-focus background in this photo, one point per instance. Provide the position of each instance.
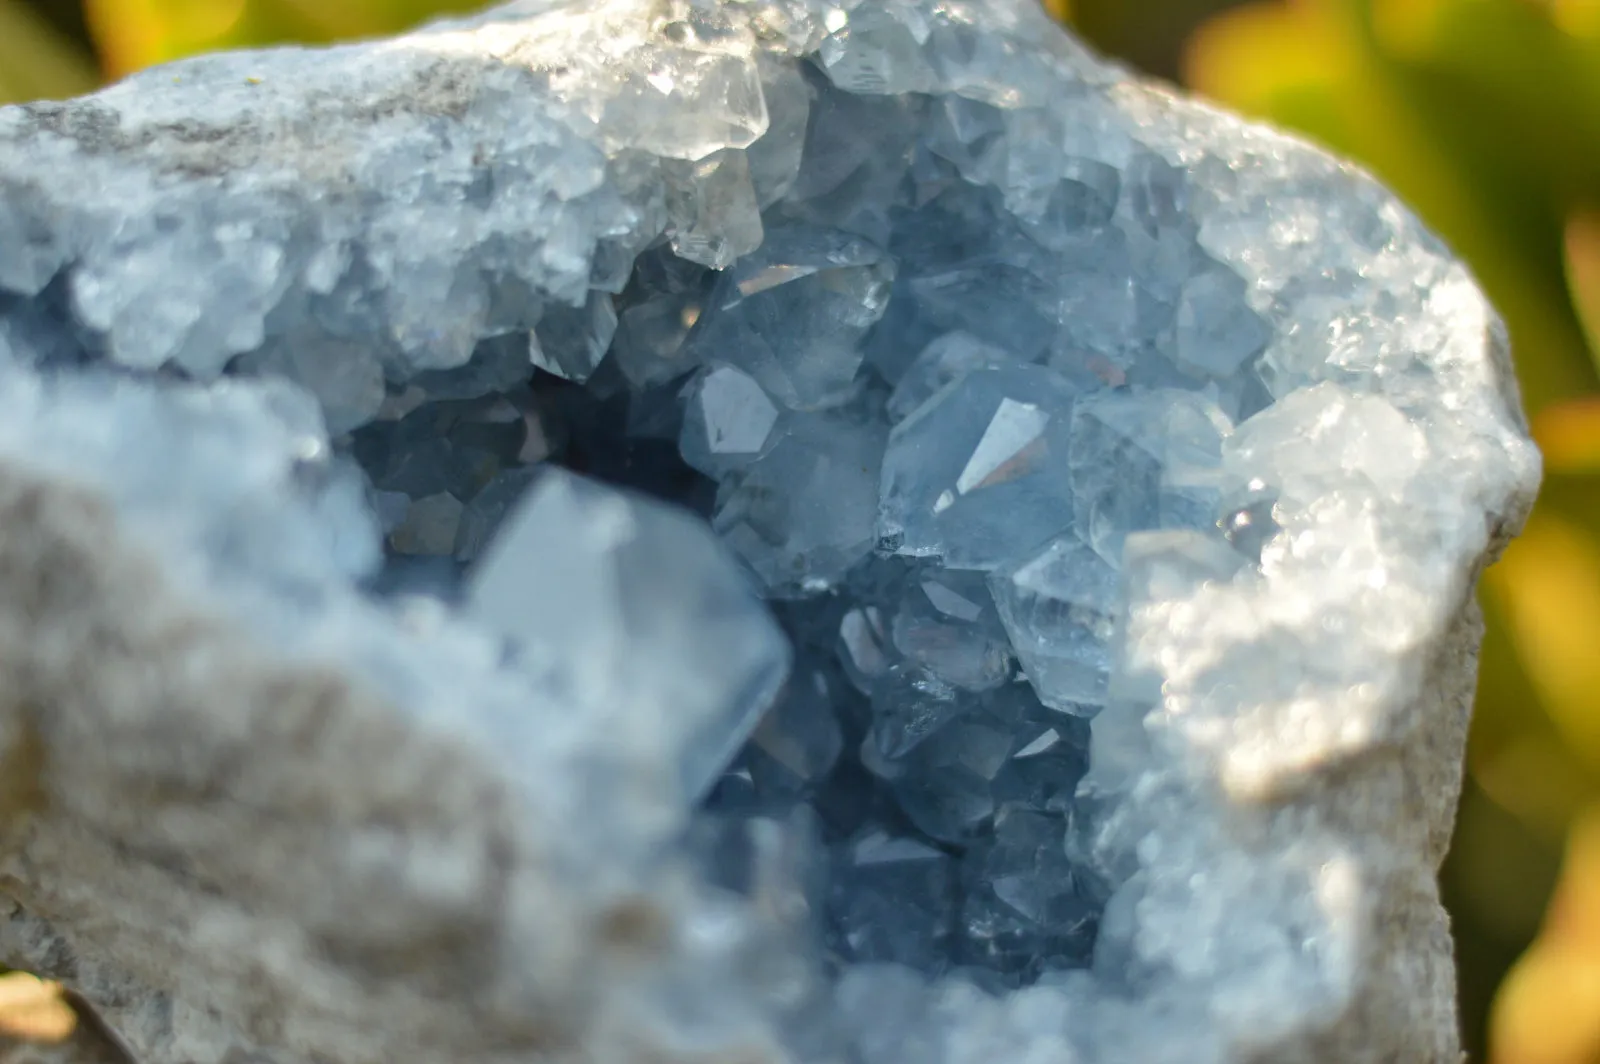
(1485, 115)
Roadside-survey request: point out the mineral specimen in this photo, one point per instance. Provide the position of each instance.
(398, 442)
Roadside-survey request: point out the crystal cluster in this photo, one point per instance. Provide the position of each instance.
(945, 382)
(866, 448)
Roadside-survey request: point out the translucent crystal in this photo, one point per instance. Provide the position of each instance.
(647, 109)
(948, 358)
(571, 341)
(909, 704)
(1024, 912)
(1130, 452)
(804, 513)
(977, 476)
(892, 899)
(664, 300)
(1002, 303)
(729, 421)
(971, 135)
(1157, 193)
(654, 613)
(1217, 332)
(857, 152)
(946, 782)
(878, 52)
(715, 219)
(793, 314)
(774, 160)
(1049, 754)
(1059, 606)
(947, 624)
(799, 740)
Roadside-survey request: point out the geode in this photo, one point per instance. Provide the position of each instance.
(762, 531)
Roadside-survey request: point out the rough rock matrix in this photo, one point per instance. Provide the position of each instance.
(762, 531)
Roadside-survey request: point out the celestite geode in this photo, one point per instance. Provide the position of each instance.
(749, 531)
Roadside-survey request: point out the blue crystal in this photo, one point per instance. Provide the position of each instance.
(653, 610)
(488, 509)
(793, 314)
(799, 740)
(1157, 192)
(977, 474)
(858, 150)
(803, 514)
(571, 341)
(950, 357)
(947, 624)
(730, 422)
(1128, 450)
(1217, 332)
(1024, 912)
(910, 704)
(714, 218)
(1050, 755)
(864, 647)
(892, 899)
(876, 53)
(946, 782)
(1059, 605)
(650, 336)
(776, 157)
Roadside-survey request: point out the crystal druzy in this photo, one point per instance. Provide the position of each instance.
(932, 370)
(929, 467)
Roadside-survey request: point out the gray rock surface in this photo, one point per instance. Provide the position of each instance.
(273, 789)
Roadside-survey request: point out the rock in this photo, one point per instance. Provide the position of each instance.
(374, 686)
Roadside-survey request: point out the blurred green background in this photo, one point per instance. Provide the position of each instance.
(1485, 115)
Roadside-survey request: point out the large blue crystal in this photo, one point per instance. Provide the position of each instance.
(978, 474)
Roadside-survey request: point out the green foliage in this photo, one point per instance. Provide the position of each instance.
(130, 34)
(35, 62)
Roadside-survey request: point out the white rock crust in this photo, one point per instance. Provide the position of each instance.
(252, 815)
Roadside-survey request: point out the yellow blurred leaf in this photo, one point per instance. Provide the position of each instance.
(34, 1010)
(1255, 55)
(1548, 588)
(1581, 246)
(1535, 779)
(131, 34)
(1581, 18)
(1548, 1009)
(35, 63)
(1568, 432)
(1407, 26)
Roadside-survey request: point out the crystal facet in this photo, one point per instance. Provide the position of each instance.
(977, 474)
(653, 611)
